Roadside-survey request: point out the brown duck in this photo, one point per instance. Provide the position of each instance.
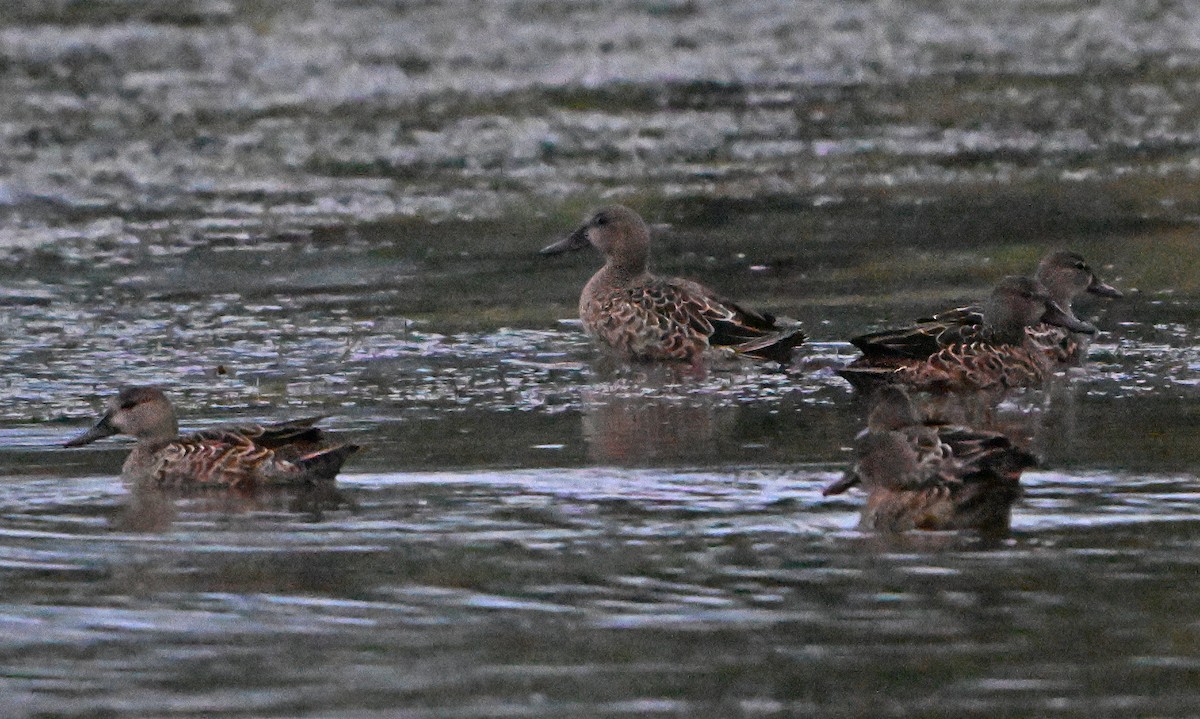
(236, 457)
(1064, 276)
(919, 475)
(986, 349)
(641, 316)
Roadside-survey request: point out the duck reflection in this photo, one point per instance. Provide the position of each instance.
(921, 474)
(625, 423)
(153, 509)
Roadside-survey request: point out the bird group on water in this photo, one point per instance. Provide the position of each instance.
(918, 471)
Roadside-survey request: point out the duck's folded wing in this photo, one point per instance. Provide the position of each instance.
(925, 337)
(914, 342)
(297, 437)
(985, 451)
(212, 457)
(968, 315)
(723, 310)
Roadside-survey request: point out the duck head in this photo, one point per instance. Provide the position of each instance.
(1065, 275)
(617, 231)
(140, 412)
(1020, 302)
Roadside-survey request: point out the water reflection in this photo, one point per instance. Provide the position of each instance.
(627, 427)
(154, 509)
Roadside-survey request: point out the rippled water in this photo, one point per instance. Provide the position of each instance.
(282, 209)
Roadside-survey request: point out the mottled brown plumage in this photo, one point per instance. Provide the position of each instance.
(921, 475)
(641, 316)
(1063, 276)
(967, 349)
(238, 457)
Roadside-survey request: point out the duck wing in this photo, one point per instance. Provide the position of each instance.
(913, 342)
(212, 458)
(293, 438)
(987, 452)
(966, 315)
(660, 318)
(748, 332)
(721, 309)
(230, 459)
(926, 337)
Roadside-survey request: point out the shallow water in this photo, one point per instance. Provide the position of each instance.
(284, 209)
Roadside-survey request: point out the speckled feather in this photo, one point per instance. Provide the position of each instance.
(966, 348)
(644, 317)
(239, 457)
(924, 476)
(976, 366)
(669, 319)
(291, 439)
(218, 458)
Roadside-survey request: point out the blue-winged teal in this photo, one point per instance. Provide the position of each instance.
(1064, 276)
(644, 317)
(981, 349)
(920, 475)
(236, 457)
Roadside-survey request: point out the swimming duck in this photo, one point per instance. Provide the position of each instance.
(641, 316)
(920, 475)
(1064, 276)
(237, 457)
(983, 349)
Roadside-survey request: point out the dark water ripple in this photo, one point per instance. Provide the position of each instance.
(660, 584)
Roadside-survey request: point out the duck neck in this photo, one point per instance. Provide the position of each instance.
(142, 458)
(1003, 327)
(153, 443)
(159, 431)
(621, 274)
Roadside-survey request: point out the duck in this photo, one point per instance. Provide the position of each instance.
(984, 349)
(1064, 275)
(640, 316)
(919, 474)
(241, 457)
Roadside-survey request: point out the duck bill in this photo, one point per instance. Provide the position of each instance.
(577, 240)
(103, 428)
(1097, 287)
(1056, 315)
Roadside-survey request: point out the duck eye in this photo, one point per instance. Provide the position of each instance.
(601, 220)
(1081, 266)
(128, 405)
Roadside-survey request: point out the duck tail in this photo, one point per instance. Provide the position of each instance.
(774, 346)
(326, 463)
(866, 379)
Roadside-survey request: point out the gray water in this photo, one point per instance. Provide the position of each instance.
(279, 209)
